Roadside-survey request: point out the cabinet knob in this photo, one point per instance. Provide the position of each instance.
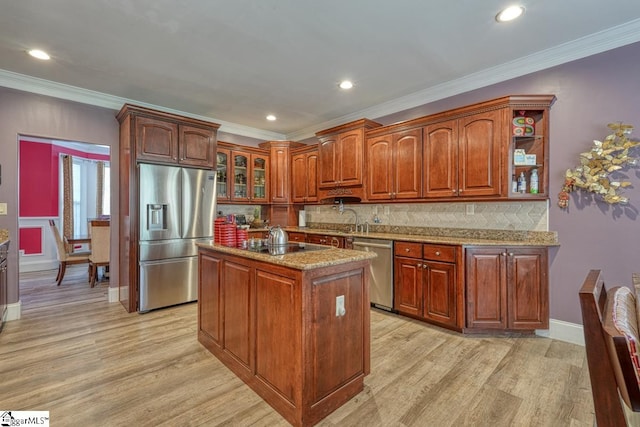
(503, 254)
(424, 266)
(454, 191)
(437, 253)
(419, 265)
(510, 253)
(407, 250)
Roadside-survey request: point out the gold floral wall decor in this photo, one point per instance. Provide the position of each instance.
(597, 165)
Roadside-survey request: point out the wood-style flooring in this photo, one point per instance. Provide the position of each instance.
(90, 363)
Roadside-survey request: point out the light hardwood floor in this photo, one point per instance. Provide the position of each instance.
(90, 363)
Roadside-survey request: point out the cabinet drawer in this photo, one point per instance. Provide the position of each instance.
(439, 253)
(410, 250)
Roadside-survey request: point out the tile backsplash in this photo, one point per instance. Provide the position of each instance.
(525, 215)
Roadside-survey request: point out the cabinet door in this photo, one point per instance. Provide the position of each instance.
(407, 164)
(209, 298)
(379, 168)
(279, 176)
(440, 160)
(239, 183)
(351, 151)
(329, 162)
(312, 177)
(440, 292)
(259, 178)
(222, 160)
(197, 146)
(479, 154)
(528, 288)
(156, 140)
(298, 178)
(486, 288)
(407, 298)
(237, 283)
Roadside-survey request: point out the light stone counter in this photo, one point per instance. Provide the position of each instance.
(298, 260)
(453, 236)
(4, 235)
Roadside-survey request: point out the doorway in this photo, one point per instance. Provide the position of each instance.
(41, 196)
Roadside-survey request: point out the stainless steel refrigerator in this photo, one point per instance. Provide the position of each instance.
(177, 209)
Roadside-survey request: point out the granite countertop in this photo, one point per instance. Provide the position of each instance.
(452, 236)
(4, 236)
(298, 260)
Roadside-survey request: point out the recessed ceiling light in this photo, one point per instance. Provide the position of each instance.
(40, 54)
(510, 13)
(346, 84)
(271, 118)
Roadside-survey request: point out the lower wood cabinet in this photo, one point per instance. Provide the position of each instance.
(507, 288)
(426, 283)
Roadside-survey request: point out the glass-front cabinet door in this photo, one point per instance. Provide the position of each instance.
(222, 189)
(259, 178)
(240, 176)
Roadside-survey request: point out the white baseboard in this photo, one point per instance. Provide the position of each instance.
(563, 331)
(14, 311)
(114, 294)
(38, 265)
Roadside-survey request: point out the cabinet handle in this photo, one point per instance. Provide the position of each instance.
(407, 250)
(510, 253)
(503, 254)
(454, 191)
(424, 266)
(437, 253)
(419, 265)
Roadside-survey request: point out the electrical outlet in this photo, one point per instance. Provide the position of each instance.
(386, 210)
(3, 208)
(470, 209)
(340, 309)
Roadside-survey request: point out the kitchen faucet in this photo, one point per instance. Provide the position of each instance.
(342, 210)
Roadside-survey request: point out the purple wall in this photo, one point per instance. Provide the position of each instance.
(591, 93)
(28, 114)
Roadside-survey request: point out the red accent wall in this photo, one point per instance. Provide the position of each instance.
(31, 240)
(39, 176)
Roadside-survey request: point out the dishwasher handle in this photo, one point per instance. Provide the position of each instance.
(374, 245)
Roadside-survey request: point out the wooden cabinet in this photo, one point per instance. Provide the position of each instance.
(529, 147)
(507, 288)
(341, 154)
(244, 178)
(280, 180)
(304, 176)
(394, 165)
(426, 283)
(4, 251)
(152, 136)
(462, 157)
(164, 141)
(321, 239)
(277, 329)
(297, 237)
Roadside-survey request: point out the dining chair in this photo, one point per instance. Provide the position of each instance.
(64, 257)
(100, 248)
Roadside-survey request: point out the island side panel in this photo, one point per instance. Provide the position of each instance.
(337, 348)
(278, 334)
(209, 300)
(238, 286)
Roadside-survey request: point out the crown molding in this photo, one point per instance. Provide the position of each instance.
(592, 44)
(26, 83)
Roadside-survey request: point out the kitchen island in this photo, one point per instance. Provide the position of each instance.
(293, 327)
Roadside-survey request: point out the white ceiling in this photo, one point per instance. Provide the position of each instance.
(235, 61)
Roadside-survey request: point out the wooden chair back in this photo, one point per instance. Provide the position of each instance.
(611, 369)
(60, 246)
(100, 242)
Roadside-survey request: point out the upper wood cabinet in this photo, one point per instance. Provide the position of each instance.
(304, 176)
(164, 141)
(341, 154)
(394, 165)
(462, 156)
(280, 163)
(243, 174)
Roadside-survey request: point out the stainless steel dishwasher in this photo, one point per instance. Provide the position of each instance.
(381, 289)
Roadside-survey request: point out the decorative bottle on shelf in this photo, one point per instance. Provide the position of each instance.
(533, 184)
(522, 183)
(514, 183)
